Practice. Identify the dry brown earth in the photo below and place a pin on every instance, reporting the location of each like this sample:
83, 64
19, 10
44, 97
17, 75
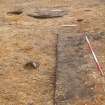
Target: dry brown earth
24, 39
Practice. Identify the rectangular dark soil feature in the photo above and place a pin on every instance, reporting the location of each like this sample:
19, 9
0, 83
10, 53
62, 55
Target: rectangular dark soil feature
76, 75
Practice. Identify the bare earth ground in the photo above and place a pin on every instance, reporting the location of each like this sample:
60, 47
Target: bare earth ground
24, 39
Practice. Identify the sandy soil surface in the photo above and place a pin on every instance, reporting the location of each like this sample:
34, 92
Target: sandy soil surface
24, 39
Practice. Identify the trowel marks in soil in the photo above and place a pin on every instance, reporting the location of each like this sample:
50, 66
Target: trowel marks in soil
75, 72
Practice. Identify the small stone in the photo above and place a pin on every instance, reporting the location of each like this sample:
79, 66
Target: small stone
31, 65
87, 10
48, 13
80, 20
15, 12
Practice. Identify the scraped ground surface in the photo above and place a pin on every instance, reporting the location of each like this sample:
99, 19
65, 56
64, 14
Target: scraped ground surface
76, 75
24, 39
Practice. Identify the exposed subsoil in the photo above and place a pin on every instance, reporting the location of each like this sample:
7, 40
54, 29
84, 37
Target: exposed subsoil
24, 39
